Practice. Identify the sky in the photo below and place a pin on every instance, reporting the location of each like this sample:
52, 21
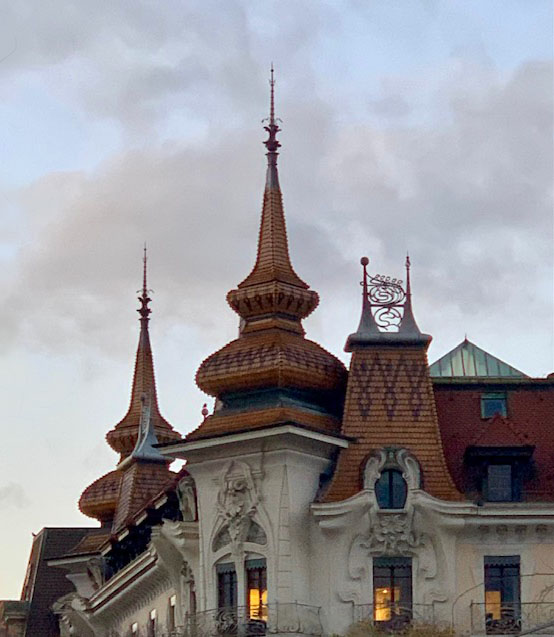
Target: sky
422, 126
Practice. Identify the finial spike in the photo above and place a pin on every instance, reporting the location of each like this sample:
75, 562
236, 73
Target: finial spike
408, 285
144, 299
271, 143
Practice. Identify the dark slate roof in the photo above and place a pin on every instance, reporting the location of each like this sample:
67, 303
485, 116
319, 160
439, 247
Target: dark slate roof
45, 584
469, 361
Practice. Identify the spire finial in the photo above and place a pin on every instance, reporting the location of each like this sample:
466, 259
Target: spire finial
144, 299
271, 143
408, 286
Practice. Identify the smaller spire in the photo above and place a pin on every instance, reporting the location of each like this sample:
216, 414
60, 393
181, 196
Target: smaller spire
271, 143
144, 299
408, 325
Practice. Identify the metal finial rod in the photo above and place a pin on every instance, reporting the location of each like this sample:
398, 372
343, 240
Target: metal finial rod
145, 260
408, 286
272, 99
365, 261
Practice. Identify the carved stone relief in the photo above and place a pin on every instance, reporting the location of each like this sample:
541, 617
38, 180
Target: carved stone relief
396, 458
187, 499
237, 502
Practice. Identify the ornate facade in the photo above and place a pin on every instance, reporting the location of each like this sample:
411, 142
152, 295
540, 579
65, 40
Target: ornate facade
314, 496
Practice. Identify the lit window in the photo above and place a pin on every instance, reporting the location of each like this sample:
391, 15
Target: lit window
493, 403
226, 586
502, 594
392, 590
499, 487
152, 623
134, 628
171, 612
256, 589
390, 490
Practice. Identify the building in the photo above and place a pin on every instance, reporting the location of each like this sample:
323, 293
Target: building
315, 496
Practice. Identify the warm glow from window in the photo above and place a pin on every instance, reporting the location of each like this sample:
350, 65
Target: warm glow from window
134, 628
257, 604
493, 604
384, 603
172, 600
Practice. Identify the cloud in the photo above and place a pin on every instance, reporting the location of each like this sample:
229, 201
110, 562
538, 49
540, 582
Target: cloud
13, 495
470, 199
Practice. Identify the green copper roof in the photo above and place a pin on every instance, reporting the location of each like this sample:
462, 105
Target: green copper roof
468, 360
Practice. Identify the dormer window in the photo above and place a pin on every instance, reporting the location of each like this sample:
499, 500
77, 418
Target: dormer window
391, 490
493, 403
499, 472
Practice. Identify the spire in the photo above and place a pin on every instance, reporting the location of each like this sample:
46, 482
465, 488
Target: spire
367, 327
273, 260
408, 325
123, 437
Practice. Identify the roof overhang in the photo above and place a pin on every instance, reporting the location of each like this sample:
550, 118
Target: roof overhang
180, 449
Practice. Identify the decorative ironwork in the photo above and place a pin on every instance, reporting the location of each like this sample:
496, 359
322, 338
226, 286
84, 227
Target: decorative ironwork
386, 297
393, 617
269, 619
511, 618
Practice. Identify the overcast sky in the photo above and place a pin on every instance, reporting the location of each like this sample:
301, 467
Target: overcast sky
423, 126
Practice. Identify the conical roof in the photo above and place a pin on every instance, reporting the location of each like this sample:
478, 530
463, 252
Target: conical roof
123, 437
469, 361
101, 499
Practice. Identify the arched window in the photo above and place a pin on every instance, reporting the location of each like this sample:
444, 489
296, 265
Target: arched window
391, 490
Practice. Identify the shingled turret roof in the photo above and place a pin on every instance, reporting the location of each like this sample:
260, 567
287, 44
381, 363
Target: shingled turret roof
100, 500
300, 380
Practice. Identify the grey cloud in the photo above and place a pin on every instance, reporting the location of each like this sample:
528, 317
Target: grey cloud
471, 200
13, 495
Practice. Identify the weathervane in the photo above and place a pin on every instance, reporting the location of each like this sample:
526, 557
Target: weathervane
386, 296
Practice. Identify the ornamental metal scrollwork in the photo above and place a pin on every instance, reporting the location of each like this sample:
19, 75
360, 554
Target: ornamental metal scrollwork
386, 296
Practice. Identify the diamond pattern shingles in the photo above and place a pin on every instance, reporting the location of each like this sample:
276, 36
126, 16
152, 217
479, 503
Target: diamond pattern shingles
390, 402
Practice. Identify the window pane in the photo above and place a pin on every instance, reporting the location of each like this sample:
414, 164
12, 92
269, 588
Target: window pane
256, 589
390, 490
392, 589
227, 588
499, 483
493, 403
502, 594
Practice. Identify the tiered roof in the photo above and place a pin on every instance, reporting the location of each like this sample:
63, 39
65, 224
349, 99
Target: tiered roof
133, 438
271, 374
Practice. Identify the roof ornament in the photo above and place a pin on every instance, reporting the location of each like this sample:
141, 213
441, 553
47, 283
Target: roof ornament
144, 449
144, 299
205, 411
271, 143
386, 310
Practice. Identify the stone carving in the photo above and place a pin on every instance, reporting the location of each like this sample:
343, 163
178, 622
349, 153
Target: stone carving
187, 499
392, 458
237, 501
95, 572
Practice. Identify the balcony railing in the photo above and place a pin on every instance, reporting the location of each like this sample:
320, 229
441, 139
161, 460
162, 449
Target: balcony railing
278, 618
394, 617
511, 619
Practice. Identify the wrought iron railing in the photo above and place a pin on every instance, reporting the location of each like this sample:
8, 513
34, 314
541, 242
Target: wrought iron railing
278, 618
393, 617
511, 619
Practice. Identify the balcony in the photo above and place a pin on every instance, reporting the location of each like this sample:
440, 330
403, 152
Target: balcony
270, 619
511, 619
393, 617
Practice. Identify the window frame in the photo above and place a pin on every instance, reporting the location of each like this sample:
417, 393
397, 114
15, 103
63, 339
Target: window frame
227, 585
401, 609
390, 489
490, 397
256, 573
508, 611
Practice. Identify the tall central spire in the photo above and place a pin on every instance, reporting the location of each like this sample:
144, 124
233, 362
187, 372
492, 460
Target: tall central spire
260, 377
273, 260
